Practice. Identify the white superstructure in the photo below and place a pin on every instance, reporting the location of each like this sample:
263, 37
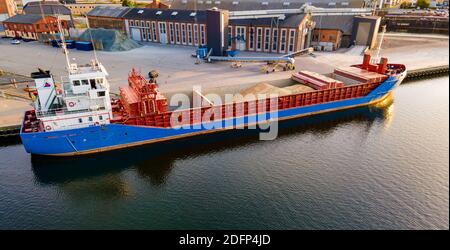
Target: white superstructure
80, 100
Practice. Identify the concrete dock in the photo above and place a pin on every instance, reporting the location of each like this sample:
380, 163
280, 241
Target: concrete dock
178, 71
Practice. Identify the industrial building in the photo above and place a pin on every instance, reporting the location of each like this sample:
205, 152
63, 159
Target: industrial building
241, 5
82, 9
185, 27
332, 32
8, 9
30, 26
166, 26
108, 17
48, 8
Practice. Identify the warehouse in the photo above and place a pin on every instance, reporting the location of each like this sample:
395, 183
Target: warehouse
108, 17
182, 27
240, 5
286, 34
332, 32
281, 35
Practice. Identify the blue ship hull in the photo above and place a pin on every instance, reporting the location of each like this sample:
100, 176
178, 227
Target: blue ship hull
114, 136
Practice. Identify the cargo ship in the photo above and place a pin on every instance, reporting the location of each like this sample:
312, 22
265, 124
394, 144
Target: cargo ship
78, 116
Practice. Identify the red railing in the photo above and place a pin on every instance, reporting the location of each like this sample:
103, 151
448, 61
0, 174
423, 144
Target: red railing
231, 110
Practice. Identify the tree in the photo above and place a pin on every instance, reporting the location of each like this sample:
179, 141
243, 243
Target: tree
423, 4
405, 5
127, 3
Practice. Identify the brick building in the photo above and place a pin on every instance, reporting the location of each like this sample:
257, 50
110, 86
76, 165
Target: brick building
181, 27
48, 8
29, 26
8, 8
158, 4
189, 28
282, 35
82, 9
332, 32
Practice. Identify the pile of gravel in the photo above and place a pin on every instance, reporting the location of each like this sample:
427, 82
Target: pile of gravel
109, 40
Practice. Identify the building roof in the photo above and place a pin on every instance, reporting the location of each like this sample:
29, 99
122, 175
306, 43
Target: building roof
236, 5
337, 22
46, 8
168, 15
108, 11
26, 19
291, 21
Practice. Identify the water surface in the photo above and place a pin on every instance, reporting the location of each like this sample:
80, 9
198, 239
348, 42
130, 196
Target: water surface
368, 168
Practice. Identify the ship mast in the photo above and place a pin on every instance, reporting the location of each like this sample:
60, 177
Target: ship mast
92, 41
63, 45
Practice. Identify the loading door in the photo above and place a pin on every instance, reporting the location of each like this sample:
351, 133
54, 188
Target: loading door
162, 33
362, 36
240, 38
135, 34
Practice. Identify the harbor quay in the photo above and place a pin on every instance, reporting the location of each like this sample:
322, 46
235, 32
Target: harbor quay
179, 73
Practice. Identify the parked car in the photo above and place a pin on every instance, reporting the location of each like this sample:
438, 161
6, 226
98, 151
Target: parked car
15, 41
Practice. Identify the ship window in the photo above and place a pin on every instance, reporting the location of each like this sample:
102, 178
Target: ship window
92, 82
101, 93
76, 83
90, 118
80, 120
100, 117
84, 82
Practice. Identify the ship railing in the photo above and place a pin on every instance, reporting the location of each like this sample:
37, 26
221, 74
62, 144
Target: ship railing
63, 111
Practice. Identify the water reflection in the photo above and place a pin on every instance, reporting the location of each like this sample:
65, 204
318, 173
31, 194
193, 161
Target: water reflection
154, 162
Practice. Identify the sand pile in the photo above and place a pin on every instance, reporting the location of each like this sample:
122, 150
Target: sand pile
109, 40
298, 88
265, 88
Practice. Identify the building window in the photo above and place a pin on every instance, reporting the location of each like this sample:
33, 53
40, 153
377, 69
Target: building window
274, 40
149, 34
195, 34
267, 40
230, 37
154, 32
177, 31
172, 33
189, 33
283, 40
251, 42
131, 23
259, 39
142, 24
291, 45
202, 34
76, 83
183, 33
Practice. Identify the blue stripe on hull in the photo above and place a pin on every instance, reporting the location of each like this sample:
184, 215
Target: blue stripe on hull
102, 138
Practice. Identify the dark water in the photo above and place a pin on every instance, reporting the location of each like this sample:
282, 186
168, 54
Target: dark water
369, 168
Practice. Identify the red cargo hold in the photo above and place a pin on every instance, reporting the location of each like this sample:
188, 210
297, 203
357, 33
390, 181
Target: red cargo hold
316, 81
